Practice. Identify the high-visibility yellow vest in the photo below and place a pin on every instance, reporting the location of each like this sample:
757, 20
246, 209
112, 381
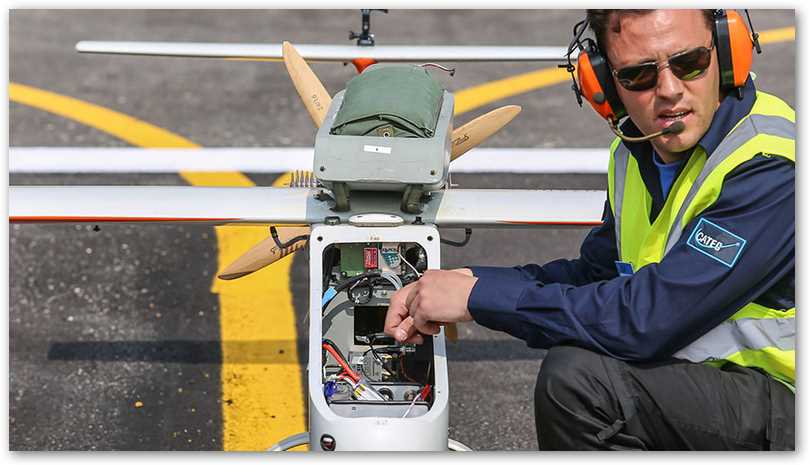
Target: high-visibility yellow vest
755, 336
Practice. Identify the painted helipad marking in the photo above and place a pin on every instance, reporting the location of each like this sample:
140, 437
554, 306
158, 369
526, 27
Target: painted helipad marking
124, 127
250, 422
771, 36
477, 96
262, 392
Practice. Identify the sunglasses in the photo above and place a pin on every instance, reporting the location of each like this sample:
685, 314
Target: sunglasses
687, 66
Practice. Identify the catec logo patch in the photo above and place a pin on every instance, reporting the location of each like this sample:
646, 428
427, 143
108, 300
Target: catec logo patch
716, 242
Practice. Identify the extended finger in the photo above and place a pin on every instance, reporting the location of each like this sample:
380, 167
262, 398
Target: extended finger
405, 330
397, 311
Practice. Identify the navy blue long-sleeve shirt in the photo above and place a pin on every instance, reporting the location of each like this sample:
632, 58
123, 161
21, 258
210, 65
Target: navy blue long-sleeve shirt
665, 306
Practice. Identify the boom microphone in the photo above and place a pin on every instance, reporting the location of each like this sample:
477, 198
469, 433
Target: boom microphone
675, 128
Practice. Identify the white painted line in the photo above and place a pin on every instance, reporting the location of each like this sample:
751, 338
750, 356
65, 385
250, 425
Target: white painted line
282, 159
533, 161
138, 160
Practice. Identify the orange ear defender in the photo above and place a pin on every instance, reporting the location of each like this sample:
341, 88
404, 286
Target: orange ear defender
734, 48
593, 79
596, 84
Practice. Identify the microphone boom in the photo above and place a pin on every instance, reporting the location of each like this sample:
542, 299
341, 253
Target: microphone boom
674, 128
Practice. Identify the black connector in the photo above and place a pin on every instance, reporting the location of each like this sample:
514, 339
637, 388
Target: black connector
467, 236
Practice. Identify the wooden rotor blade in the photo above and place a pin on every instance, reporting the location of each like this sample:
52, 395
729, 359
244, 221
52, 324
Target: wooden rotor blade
481, 128
315, 97
265, 253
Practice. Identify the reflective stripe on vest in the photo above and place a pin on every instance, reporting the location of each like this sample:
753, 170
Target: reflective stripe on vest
734, 336
621, 162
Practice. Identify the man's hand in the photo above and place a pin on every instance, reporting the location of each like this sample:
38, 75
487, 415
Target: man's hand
398, 322
421, 307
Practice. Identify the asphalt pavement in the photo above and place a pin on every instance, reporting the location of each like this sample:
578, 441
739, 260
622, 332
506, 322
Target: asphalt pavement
114, 334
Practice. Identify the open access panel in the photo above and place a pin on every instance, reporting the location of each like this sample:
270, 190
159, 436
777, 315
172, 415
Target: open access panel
366, 391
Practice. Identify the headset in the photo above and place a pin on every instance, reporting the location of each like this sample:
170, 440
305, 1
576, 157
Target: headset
734, 48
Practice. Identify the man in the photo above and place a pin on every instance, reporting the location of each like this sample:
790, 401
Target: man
674, 329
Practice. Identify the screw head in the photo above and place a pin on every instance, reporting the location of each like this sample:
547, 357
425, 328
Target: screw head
327, 443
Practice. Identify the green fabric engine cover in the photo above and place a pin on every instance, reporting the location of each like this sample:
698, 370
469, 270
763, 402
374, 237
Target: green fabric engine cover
390, 101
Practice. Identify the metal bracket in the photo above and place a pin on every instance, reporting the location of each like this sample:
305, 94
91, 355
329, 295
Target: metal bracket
411, 199
341, 202
290, 442
365, 38
457, 446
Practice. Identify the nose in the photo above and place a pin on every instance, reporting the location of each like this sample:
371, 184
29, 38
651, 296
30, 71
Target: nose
669, 87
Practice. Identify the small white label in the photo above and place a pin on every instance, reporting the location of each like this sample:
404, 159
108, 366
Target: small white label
376, 149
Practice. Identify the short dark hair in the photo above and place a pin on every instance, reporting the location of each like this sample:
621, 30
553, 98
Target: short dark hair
602, 20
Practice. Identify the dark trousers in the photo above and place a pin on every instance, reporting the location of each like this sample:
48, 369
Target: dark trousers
588, 401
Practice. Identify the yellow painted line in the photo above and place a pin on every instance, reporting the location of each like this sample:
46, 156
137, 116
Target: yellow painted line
484, 94
771, 36
213, 179
127, 128
477, 96
262, 394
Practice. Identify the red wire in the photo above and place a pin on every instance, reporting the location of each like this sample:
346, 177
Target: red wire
425, 392
351, 374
